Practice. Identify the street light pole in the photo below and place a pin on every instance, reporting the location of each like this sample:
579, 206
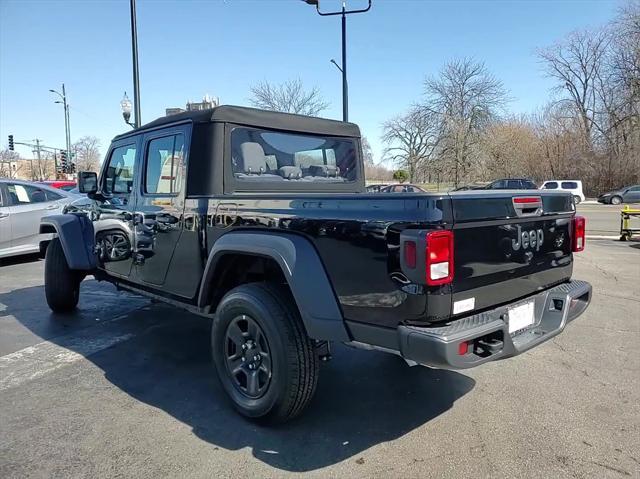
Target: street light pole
66, 121
134, 51
67, 126
345, 86
343, 12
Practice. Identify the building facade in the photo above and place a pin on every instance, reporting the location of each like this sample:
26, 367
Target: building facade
206, 103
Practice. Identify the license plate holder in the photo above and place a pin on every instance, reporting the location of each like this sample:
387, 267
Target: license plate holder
521, 316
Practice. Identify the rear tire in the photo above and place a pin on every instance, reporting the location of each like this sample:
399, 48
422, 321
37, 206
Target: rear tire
616, 200
61, 284
576, 200
260, 320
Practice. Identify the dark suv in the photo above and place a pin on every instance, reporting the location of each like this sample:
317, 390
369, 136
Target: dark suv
260, 222
512, 184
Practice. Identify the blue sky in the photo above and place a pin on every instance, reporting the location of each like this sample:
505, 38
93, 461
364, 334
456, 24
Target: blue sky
190, 48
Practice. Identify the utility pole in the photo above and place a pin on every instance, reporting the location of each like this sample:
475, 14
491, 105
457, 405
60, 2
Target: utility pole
39, 161
37, 149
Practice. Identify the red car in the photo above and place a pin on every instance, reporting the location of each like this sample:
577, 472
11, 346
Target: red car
65, 185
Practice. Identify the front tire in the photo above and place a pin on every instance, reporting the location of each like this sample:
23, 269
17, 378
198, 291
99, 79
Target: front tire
61, 284
266, 362
616, 200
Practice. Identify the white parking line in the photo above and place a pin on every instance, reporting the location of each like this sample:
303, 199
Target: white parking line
36, 361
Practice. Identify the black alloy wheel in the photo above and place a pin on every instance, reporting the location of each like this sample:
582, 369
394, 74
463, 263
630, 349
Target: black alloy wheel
247, 356
265, 361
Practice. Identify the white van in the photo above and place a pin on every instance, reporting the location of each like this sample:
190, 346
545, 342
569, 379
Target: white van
572, 186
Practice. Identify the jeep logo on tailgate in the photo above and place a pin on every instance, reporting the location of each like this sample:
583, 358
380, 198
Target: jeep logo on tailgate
528, 239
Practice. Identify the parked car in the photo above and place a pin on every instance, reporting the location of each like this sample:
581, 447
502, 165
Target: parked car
375, 188
402, 188
502, 184
512, 184
258, 224
630, 194
571, 186
22, 205
65, 185
471, 186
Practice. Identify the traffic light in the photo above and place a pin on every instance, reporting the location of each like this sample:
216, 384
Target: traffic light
11, 142
63, 161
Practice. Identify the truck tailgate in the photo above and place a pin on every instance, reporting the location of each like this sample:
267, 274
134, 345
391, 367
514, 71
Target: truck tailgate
508, 244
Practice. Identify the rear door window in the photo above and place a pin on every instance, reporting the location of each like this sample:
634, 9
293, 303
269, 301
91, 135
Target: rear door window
569, 185
25, 194
164, 165
551, 185
514, 184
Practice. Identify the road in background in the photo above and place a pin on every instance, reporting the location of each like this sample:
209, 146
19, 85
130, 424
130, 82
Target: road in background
125, 387
602, 220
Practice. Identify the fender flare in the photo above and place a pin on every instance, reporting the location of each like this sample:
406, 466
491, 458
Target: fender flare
303, 270
76, 237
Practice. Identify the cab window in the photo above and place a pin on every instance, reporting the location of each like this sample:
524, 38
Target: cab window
120, 172
292, 159
164, 165
551, 185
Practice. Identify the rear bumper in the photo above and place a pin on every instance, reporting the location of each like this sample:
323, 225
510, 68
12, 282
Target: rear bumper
487, 334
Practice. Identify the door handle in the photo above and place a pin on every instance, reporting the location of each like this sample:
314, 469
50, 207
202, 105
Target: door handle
4, 215
51, 207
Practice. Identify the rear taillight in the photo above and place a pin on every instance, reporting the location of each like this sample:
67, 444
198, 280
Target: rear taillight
439, 257
579, 224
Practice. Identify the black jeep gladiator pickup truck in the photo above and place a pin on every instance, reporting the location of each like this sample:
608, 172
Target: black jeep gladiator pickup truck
261, 221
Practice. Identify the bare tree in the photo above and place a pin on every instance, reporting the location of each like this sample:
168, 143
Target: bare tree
466, 97
87, 151
412, 139
377, 172
509, 147
367, 153
598, 78
288, 97
9, 164
576, 64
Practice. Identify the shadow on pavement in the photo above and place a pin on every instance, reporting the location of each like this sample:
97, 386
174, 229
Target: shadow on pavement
363, 398
20, 259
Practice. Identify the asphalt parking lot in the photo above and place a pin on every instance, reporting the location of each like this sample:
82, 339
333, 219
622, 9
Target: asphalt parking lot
124, 388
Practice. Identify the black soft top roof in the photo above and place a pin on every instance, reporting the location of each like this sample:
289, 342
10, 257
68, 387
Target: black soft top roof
253, 117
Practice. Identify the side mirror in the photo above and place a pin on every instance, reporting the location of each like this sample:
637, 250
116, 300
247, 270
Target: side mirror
87, 182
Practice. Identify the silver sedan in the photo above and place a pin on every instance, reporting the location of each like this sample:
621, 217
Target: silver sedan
22, 204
